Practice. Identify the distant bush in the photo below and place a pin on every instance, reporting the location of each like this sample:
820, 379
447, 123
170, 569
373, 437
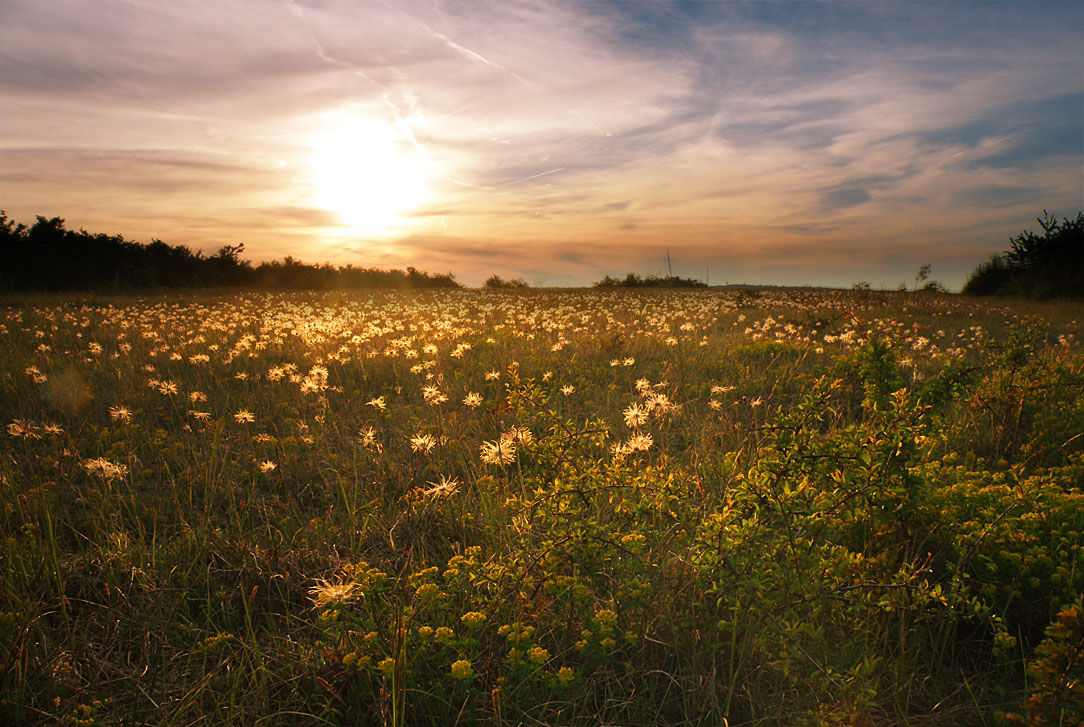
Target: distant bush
1050, 265
496, 281
632, 280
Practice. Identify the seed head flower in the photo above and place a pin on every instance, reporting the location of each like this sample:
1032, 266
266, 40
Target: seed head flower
367, 437
520, 435
500, 452
445, 488
105, 469
635, 415
23, 429
326, 593
423, 443
433, 395
120, 413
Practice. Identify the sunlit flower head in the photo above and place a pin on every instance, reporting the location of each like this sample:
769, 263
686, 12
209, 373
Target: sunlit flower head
105, 469
500, 452
329, 594
367, 436
635, 415
423, 443
445, 488
517, 435
120, 413
432, 395
23, 429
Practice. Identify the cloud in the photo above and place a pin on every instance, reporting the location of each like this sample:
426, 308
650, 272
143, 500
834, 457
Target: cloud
771, 137
845, 196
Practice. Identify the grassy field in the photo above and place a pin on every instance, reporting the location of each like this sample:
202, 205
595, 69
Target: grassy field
541, 508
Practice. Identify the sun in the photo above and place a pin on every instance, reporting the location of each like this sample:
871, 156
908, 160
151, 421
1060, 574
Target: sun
369, 173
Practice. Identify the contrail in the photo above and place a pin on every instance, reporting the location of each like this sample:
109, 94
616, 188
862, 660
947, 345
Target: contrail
533, 176
458, 48
299, 12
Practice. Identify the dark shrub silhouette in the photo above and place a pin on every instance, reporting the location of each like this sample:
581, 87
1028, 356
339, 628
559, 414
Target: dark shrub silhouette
632, 280
1044, 266
496, 281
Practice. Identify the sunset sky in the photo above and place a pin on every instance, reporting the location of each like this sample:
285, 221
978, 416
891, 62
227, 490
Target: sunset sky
763, 142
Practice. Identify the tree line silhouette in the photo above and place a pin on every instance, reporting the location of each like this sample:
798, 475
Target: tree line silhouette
47, 256
1044, 266
632, 280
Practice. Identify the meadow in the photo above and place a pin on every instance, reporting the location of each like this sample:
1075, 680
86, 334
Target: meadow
786, 507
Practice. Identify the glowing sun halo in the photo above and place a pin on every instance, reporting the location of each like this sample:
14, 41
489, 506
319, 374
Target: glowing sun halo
369, 174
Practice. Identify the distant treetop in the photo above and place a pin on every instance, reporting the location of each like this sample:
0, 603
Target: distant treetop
632, 280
